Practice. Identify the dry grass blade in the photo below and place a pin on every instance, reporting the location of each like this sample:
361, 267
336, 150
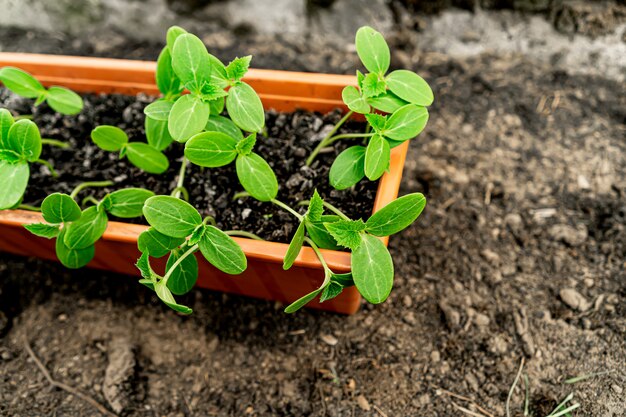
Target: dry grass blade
469, 400
508, 399
467, 411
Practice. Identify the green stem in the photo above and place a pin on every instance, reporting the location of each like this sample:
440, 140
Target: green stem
243, 234
287, 208
181, 179
90, 199
210, 220
54, 142
335, 210
322, 143
241, 194
82, 186
49, 165
316, 249
189, 251
24, 116
28, 207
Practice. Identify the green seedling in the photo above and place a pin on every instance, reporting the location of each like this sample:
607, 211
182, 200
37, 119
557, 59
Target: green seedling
144, 156
60, 99
402, 95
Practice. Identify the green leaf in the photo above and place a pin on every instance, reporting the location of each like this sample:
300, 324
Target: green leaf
64, 100
191, 63
128, 203
156, 243
410, 87
372, 50
86, 231
171, 216
359, 78
245, 108
224, 125
222, 251
9, 156
187, 117
294, 247
397, 215
159, 110
245, 146
301, 302
109, 138
320, 235
21, 82
373, 85
60, 208
238, 68
372, 269
48, 231
157, 134
14, 181
377, 157
218, 73
73, 258
316, 207
172, 34
25, 140
143, 264
166, 296
377, 121
332, 290
387, 102
210, 92
217, 106
352, 98
257, 177
184, 277
407, 122
196, 235
6, 121
147, 158
166, 79
348, 168
344, 279
346, 232
211, 149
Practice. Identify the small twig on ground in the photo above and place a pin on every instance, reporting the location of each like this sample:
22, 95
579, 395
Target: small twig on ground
467, 411
584, 377
508, 399
63, 386
379, 411
526, 396
469, 400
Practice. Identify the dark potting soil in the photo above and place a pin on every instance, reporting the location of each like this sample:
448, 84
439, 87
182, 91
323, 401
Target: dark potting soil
291, 137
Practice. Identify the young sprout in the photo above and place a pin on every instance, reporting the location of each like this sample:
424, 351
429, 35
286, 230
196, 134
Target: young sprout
60, 99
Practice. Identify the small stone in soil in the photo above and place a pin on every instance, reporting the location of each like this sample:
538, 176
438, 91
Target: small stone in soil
574, 299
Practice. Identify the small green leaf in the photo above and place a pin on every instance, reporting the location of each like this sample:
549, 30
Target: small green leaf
346, 232
166, 296
316, 207
222, 251
301, 302
171, 216
218, 73
344, 279
224, 125
294, 247
407, 122
184, 277
25, 140
143, 264
157, 134
238, 68
245, 146
196, 235
60, 208
14, 181
48, 231
352, 98
10, 156
410, 87
73, 258
156, 243
257, 177
210, 92
359, 78
372, 269
86, 231
217, 106
377, 157
6, 121
172, 34
159, 110
64, 100
387, 102
109, 138
166, 79
397, 215
377, 121
372, 50
147, 158
191, 63
373, 85
320, 235
332, 290
211, 149
187, 117
348, 168
128, 203
21, 82
245, 108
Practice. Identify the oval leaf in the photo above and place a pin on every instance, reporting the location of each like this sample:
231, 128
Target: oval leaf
187, 117
190, 61
217, 105
166, 79
348, 168
156, 243
25, 140
257, 177
73, 258
184, 277
354, 101
302, 301
147, 158
64, 100
157, 134
171, 216
158, 110
387, 102
224, 125
211, 149
60, 208
21, 82
222, 251
86, 231
377, 157
43, 230
128, 202
372, 269
372, 50
14, 181
397, 215
172, 34
245, 108
411, 87
318, 233
166, 296
294, 247
109, 138
6, 121
406, 123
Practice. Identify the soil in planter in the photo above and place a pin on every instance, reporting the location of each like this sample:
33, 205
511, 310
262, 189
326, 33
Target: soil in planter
291, 137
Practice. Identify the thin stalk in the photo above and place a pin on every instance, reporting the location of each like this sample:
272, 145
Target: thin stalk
242, 233
316, 249
49, 166
562, 404
24, 116
180, 189
322, 143
566, 411
189, 251
335, 210
526, 396
82, 186
287, 208
54, 142
348, 136
28, 207
210, 220
90, 199
241, 194
508, 398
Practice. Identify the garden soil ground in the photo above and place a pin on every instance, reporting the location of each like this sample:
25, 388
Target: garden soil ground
519, 255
